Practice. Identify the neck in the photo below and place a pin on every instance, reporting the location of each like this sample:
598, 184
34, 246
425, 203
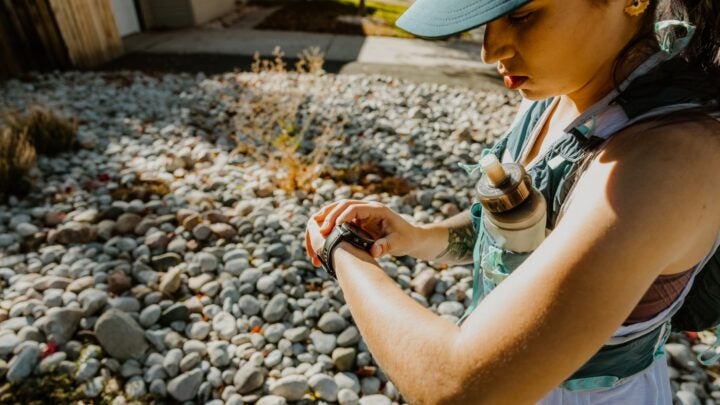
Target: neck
601, 83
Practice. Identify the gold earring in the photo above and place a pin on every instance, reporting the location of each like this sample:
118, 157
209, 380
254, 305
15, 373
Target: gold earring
637, 7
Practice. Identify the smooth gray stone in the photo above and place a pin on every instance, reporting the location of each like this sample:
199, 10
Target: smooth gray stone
375, 399
135, 388
237, 267
87, 370
349, 337
120, 335
291, 387
190, 361
332, 322
687, 398
347, 397
271, 400
8, 342
249, 305
348, 380
198, 330
324, 387
60, 324
23, 363
225, 325
51, 362
185, 386
248, 378
451, 308
369, 386
297, 334
324, 343
150, 315
276, 308
171, 363
274, 332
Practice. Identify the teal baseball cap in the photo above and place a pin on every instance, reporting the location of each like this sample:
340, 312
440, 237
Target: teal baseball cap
442, 18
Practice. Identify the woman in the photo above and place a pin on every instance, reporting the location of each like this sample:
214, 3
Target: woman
629, 226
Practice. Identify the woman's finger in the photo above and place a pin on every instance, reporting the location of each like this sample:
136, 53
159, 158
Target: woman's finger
331, 219
309, 248
320, 215
358, 212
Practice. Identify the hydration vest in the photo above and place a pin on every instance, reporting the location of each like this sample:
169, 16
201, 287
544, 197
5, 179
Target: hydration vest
662, 85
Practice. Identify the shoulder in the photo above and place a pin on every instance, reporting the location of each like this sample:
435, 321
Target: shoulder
681, 149
677, 134
658, 176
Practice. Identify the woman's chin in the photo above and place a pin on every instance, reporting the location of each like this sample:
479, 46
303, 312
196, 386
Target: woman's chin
533, 94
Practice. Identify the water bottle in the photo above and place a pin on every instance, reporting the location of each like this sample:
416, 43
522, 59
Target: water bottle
515, 213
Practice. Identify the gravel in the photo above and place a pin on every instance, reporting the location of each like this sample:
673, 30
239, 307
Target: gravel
168, 239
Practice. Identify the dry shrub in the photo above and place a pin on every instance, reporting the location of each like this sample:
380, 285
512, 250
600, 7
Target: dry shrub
358, 175
141, 189
17, 157
50, 133
310, 60
273, 125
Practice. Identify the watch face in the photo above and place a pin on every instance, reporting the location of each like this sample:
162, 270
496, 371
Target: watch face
358, 231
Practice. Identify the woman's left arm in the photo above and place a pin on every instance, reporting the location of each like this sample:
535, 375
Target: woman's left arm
639, 210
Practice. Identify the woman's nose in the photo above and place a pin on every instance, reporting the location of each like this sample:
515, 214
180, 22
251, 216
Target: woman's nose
497, 44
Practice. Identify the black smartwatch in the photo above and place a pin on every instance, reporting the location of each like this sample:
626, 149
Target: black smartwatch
347, 232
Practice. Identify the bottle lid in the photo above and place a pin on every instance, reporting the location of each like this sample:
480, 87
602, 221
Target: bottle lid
510, 192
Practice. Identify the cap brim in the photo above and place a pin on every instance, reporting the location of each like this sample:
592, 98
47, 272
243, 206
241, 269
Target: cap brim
442, 18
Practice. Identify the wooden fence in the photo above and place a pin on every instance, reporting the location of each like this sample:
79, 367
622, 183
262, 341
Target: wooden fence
52, 34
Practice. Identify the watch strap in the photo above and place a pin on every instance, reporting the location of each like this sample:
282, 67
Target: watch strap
331, 243
339, 234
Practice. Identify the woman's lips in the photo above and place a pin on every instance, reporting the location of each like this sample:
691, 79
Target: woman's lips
513, 82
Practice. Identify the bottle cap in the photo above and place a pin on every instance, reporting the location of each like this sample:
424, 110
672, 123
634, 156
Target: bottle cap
509, 193
492, 167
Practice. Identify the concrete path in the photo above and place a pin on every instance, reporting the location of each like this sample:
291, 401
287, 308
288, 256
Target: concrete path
452, 62
338, 48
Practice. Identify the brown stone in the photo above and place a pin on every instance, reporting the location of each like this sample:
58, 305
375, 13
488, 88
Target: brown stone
118, 282
126, 223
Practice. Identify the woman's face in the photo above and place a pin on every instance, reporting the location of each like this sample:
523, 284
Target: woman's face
562, 47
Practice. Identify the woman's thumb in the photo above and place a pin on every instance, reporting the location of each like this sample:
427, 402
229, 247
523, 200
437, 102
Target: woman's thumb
380, 247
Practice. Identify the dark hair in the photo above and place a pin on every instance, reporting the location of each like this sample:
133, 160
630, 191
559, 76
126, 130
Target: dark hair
704, 49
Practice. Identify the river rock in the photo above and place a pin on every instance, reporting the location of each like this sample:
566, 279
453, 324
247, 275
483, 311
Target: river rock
185, 386
120, 335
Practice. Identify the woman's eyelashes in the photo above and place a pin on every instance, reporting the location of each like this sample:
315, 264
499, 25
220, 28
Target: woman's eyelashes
520, 18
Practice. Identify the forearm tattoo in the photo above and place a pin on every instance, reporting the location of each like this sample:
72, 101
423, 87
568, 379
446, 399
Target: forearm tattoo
461, 241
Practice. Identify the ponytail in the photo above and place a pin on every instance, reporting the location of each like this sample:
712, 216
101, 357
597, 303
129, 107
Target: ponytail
704, 49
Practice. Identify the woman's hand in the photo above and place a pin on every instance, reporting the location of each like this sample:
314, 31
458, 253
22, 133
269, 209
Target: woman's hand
394, 235
314, 239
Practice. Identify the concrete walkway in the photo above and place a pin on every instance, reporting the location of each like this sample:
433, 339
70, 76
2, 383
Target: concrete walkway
338, 48
452, 62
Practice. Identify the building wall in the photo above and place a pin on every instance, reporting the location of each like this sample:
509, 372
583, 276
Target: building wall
206, 10
171, 13
125, 16
182, 13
